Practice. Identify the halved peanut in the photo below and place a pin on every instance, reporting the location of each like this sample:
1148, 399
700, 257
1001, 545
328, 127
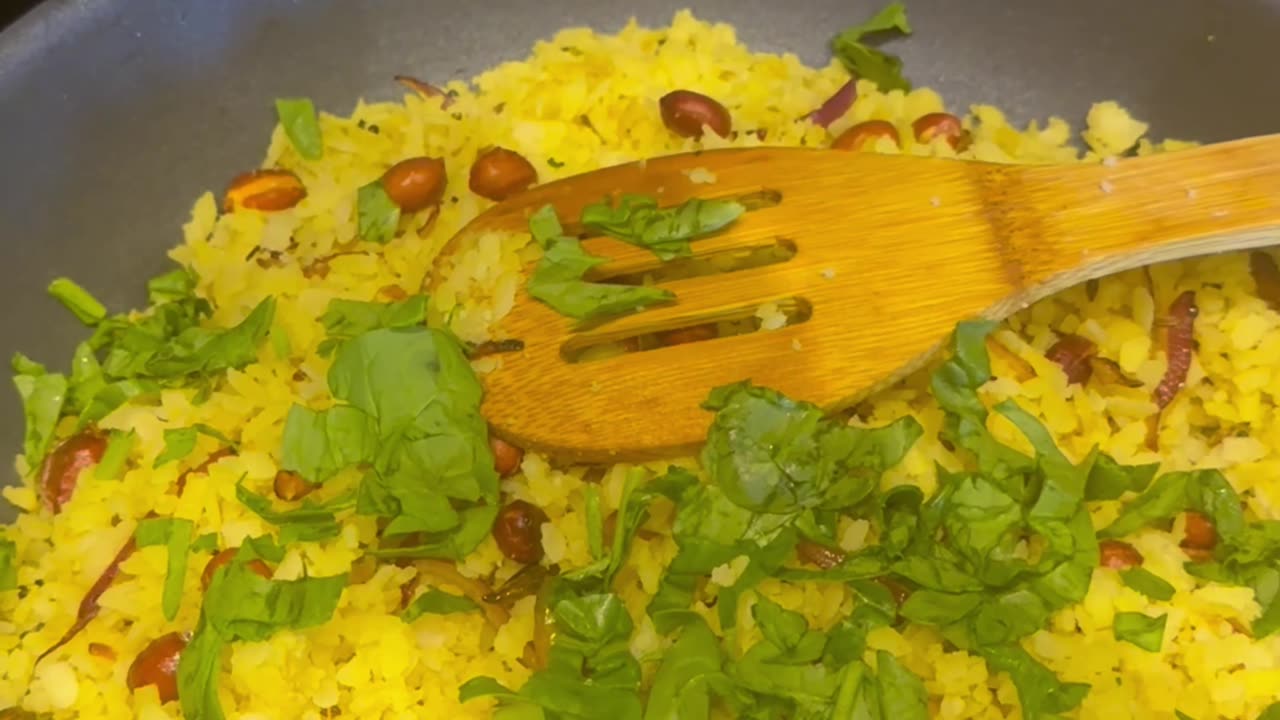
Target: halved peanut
865, 133
265, 190
934, 125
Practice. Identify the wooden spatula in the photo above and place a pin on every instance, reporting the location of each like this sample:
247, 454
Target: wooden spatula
890, 252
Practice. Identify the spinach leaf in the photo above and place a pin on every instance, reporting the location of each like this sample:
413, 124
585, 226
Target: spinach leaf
301, 125
205, 543
557, 279
175, 533
590, 672
318, 444
637, 220
311, 522
79, 301
242, 606
1040, 693
872, 63
345, 319
178, 443
933, 607
437, 602
43, 395
902, 695
847, 641
1270, 712
119, 445
377, 215
683, 684
8, 565
1142, 630
1147, 583
1109, 480
409, 413
1205, 491
771, 454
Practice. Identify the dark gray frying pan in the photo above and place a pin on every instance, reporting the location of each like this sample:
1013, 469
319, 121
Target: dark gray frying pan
115, 114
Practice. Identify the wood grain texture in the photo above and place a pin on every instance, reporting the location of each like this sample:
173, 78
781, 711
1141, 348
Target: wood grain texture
892, 252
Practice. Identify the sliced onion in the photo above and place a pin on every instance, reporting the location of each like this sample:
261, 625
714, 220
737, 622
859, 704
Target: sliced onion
836, 106
426, 90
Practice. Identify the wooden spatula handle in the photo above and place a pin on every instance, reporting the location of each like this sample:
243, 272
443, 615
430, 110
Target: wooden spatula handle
1061, 226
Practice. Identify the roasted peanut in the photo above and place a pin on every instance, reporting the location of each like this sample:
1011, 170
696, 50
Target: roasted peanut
291, 486
865, 133
1118, 555
686, 113
941, 125
62, 466
415, 184
818, 554
1200, 534
499, 173
506, 457
1073, 353
224, 557
157, 665
518, 531
265, 190
691, 334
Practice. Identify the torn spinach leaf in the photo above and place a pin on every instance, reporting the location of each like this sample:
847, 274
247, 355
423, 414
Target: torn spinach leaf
179, 442
1205, 491
682, 687
590, 672
902, 694
557, 278
311, 522
1109, 480
301, 125
79, 301
437, 602
239, 605
43, 395
377, 215
119, 445
771, 454
409, 416
175, 534
1147, 583
868, 62
1040, 693
637, 220
1141, 630
345, 319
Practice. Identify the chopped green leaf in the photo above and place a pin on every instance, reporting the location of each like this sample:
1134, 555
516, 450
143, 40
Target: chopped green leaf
437, 602
682, 686
902, 695
1040, 693
174, 286
1148, 583
667, 232
317, 444
43, 395
8, 565
590, 674
557, 279
79, 301
1109, 480
377, 214
932, 607
409, 415
771, 454
1271, 712
301, 125
1206, 491
595, 522
345, 319
872, 63
242, 606
178, 443
311, 522
119, 445
1142, 630
205, 543
176, 534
